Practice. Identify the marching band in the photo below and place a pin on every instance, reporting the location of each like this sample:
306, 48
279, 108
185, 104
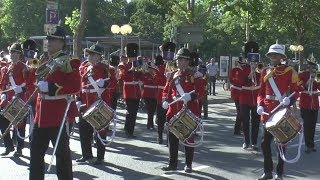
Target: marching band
50, 92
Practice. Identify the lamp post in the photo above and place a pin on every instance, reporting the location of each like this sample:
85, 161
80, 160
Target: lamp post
122, 31
295, 49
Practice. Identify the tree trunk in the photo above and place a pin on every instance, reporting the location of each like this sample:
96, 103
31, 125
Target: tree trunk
78, 35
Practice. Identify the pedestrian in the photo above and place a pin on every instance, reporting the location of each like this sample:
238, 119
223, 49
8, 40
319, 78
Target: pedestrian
212, 69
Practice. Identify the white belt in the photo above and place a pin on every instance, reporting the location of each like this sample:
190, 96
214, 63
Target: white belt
310, 92
236, 87
89, 90
250, 87
148, 86
272, 97
47, 97
131, 83
161, 87
21, 85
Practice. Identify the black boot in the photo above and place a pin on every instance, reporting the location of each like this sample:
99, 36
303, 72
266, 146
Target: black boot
7, 151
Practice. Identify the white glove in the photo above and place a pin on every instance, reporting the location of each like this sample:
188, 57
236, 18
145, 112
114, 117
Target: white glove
17, 89
78, 104
3, 97
186, 97
286, 101
43, 86
165, 105
100, 82
260, 110
198, 74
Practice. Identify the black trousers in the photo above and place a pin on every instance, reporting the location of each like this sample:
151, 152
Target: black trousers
212, 82
151, 105
39, 145
86, 135
161, 119
238, 123
310, 118
267, 156
22, 132
4, 123
245, 111
115, 97
131, 116
173, 152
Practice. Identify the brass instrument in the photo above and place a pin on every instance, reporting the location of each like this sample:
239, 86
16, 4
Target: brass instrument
253, 67
33, 63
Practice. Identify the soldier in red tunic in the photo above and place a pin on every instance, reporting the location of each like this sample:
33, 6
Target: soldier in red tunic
131, 88
102, 79
235, 91
180, 84
114, 62
309, 104
56, 89
250, 85
14, 78
286, 81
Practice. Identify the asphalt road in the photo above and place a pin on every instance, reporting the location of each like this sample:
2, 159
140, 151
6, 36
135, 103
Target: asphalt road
220, 156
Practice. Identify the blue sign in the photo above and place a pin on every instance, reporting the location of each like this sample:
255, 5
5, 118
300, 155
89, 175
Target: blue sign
253, 57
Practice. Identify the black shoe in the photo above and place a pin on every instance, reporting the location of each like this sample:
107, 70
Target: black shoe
308, 150
169, 168
245, 146
278, 177
98, 162
254, 147
265, 176
18, 153
7, 151
188, 169
314, 150
160, 140
84, 159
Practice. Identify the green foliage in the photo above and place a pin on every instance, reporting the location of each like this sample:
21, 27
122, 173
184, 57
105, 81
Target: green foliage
74, 20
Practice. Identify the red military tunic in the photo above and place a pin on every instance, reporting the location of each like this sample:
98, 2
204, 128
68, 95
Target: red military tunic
131, 87
160, 79
188, 83
98, 71
249, 92
309, 99
19, 73
150, 88
235, 84
65, 80
286, 80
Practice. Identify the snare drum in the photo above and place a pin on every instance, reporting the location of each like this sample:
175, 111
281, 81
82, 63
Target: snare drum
283, 125
184, 124
99, 115
12, 110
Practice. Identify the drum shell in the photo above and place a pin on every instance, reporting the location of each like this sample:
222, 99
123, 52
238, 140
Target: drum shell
286, 128
12, 110
183, 125
99, 115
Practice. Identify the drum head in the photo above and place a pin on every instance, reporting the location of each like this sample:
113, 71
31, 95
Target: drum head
92, 107
276, 117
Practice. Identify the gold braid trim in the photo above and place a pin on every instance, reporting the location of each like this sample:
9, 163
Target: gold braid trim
277, 72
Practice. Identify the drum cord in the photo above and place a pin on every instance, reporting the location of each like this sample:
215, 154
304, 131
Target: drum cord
109, 139
31, 125
281, 150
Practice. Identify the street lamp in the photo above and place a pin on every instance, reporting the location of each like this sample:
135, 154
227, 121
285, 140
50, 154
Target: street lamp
295, 49
123, 31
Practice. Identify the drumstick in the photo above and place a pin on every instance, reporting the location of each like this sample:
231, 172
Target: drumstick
106, 79
276, 108
179, 99
265, 113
